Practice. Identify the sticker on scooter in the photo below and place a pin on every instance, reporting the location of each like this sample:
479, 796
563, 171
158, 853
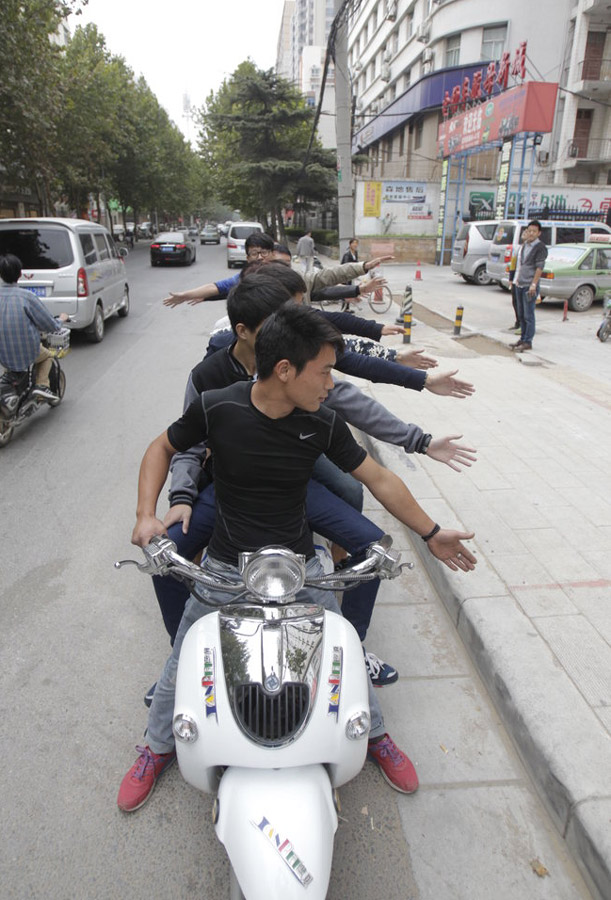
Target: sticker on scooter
335, 681
208, 683
285, 849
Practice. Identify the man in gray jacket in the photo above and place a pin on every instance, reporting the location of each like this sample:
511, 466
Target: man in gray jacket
531, 259
305, 251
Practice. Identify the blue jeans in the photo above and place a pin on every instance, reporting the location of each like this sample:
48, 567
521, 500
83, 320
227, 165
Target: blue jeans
341, 483
159, 730
327, 514
526, 313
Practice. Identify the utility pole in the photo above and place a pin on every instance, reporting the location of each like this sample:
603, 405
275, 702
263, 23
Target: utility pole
343, 118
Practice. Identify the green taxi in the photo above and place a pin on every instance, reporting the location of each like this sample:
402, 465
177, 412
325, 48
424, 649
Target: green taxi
579, 273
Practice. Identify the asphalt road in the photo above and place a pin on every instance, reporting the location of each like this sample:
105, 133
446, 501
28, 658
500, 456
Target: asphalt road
81, 642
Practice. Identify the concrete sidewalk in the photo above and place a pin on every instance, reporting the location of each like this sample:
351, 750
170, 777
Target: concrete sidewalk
536, 614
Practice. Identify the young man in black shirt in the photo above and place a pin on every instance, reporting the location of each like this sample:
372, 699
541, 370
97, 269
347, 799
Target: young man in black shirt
265, 437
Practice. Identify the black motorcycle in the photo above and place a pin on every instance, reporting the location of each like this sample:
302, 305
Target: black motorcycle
18, 400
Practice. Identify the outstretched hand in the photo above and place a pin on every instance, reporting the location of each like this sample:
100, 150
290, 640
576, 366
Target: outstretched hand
416, 359
372, 284
392, 329
174, 299
179, 513
446, 546
453, 455
446, 385
372, 263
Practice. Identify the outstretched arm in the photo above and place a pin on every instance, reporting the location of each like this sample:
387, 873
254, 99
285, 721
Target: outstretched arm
446, 385
195, 295
446, 544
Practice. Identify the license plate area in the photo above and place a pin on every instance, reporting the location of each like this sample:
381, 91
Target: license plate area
38, 289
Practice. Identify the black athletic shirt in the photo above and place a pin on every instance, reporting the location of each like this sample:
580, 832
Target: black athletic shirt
262, 467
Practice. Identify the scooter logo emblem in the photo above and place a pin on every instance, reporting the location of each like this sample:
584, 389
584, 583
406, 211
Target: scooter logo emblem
208, 683
335, 682
285, 849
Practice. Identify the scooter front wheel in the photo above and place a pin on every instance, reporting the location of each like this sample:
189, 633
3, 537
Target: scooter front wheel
235, 891
604, 331
6, 432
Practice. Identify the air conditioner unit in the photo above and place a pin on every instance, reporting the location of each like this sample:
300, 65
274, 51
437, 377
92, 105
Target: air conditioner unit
358, 66
373, 108
422, 33
358, 105
573, 151
391, 10
385, 73
387, 55
427, 55
543, 157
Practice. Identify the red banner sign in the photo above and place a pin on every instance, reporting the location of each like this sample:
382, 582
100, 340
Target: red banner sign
527, 107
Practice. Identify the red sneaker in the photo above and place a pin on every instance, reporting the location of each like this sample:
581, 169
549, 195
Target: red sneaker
394, 765
138, 784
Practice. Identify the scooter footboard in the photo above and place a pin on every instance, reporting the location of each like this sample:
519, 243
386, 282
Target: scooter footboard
277, 826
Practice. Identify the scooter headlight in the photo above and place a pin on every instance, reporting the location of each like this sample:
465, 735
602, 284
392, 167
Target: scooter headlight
357, 726
185, 729
274, 574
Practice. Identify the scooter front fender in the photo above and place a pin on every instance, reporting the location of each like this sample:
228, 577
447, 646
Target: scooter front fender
277, 826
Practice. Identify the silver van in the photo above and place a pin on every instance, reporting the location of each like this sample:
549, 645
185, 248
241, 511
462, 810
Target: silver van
73, 266
470, 253
508, 236
236, 238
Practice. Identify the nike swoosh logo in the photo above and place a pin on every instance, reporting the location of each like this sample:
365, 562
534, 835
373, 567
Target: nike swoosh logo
302, 437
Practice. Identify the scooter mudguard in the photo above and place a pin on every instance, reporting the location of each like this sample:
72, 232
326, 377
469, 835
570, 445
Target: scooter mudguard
277, 826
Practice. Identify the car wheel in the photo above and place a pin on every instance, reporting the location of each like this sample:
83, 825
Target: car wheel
95, 334
194, 258
582, 299
123, 310
481, 277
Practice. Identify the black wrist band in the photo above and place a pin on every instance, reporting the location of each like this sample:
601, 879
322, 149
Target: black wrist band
425, 440
432, 533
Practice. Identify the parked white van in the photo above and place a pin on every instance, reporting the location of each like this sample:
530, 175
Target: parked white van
509, 232
73, 266
236, 238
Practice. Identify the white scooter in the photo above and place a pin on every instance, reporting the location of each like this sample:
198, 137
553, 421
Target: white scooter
272, 714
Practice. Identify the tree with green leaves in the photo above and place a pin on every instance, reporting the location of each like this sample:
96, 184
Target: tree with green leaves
253, 137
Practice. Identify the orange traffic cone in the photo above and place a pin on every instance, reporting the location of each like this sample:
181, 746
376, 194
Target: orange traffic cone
418, 272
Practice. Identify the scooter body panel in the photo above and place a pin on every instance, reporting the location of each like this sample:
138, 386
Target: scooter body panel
277, 826
338, 691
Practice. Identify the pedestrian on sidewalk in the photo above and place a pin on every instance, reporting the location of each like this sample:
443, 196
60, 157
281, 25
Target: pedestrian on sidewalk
350, 256
531, 259
305, 251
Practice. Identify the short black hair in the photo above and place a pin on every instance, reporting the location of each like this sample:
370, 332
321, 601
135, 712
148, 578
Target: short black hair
282, 248
254, 298
537, 223
10, 268
297, 333
259, 239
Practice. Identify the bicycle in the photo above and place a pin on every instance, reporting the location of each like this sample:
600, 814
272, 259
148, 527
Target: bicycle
379, 300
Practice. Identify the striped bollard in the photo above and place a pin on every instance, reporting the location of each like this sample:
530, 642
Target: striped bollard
407, 314
458, 320
405, 305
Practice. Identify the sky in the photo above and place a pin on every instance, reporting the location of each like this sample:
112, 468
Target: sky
186, 47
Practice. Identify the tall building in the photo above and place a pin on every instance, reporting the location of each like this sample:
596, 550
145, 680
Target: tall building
405, 54
284, 65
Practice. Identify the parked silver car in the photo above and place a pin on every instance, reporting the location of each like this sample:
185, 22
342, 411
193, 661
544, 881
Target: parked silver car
73, 266
470, 252
508, 237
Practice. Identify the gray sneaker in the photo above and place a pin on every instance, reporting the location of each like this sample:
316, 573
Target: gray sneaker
43, 392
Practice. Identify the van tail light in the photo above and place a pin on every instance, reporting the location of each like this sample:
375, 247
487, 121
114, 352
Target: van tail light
466, 247
549, 275
231, 245
508, 253
82, 288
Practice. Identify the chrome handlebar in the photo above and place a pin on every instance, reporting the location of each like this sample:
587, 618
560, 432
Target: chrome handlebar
162, 559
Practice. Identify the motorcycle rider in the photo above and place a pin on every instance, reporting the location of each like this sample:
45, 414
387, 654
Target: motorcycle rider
260, 492
22, 318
